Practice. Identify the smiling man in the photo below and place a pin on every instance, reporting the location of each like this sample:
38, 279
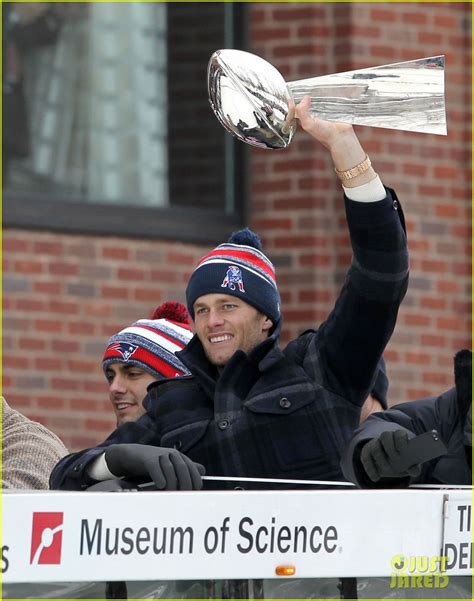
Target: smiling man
143, 353
248, 408
225, 325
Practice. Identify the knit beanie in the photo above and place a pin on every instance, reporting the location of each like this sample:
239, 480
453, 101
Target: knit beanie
237, 268
151, 344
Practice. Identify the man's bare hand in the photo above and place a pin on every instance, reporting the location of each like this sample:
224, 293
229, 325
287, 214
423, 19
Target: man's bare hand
339, 138
326, 132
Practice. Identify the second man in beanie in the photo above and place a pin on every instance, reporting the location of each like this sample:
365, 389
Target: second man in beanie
143, 353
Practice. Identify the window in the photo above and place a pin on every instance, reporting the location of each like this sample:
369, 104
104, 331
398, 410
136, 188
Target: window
107, 124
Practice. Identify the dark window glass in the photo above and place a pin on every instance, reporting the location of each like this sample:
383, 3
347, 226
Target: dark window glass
105, 105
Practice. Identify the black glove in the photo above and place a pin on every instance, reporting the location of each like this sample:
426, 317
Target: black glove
169, 469
379, 457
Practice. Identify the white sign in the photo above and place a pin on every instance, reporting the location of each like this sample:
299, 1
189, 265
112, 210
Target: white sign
64, 536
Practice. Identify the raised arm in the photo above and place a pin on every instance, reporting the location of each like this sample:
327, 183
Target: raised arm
352, 339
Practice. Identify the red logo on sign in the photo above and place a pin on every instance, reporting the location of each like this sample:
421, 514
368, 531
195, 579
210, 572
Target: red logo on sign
46, 537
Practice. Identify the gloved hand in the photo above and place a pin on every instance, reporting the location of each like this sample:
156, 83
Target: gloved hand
169, 469
379, 457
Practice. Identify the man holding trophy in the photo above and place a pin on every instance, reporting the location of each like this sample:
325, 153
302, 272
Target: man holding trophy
249, 409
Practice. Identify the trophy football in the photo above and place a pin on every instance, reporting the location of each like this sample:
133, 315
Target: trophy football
251, 99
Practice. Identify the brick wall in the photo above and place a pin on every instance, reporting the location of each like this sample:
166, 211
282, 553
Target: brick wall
64, 295
296, 198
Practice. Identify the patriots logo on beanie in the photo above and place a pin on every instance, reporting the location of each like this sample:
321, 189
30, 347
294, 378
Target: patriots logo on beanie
233, 277
238, 268
124, 348
151, 344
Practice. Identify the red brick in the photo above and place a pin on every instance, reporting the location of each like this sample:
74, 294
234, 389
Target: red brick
437, 378
44, 247
430, 37
65, 383
96, 424
269, 223
175, 258
53, 288
57, 306
385, 52
306, 242
417, 320
415, 169
276, 33
15, 362
50, 402
115, 252
83, 365
429, 302
418, 18
314, 296
275, 185
445, 21
462, 268
28, 266
65, 346
418, 358
452, 323
31, 344
96, 386
115, 292
60, 268
131, 274
48, 364
81, 328
387, 16
165, 276
97, 309
430, 340
14, 245
31, 304
315, 260
448, 286
300, 315
434, 266
49, 325
312, 31
147, 295
446, 211
304, 12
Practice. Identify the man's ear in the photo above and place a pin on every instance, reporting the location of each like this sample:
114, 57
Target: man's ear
267, 324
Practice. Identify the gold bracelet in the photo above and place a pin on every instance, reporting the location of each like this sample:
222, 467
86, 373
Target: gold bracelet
355, 171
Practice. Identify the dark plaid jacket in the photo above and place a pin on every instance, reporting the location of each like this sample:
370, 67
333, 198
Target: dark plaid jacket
290, 413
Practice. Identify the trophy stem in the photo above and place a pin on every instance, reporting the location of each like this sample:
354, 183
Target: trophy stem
408, 96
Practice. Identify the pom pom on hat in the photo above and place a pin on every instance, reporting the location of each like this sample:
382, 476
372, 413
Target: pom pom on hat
151, 344
247, 238
173, 311
237, 268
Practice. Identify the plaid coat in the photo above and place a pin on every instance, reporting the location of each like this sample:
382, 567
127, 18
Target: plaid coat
284, 413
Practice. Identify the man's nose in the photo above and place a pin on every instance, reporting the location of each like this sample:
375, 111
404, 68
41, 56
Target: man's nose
215, 318
117, 385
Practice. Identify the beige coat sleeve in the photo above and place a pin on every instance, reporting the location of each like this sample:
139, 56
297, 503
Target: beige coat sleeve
29, 451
